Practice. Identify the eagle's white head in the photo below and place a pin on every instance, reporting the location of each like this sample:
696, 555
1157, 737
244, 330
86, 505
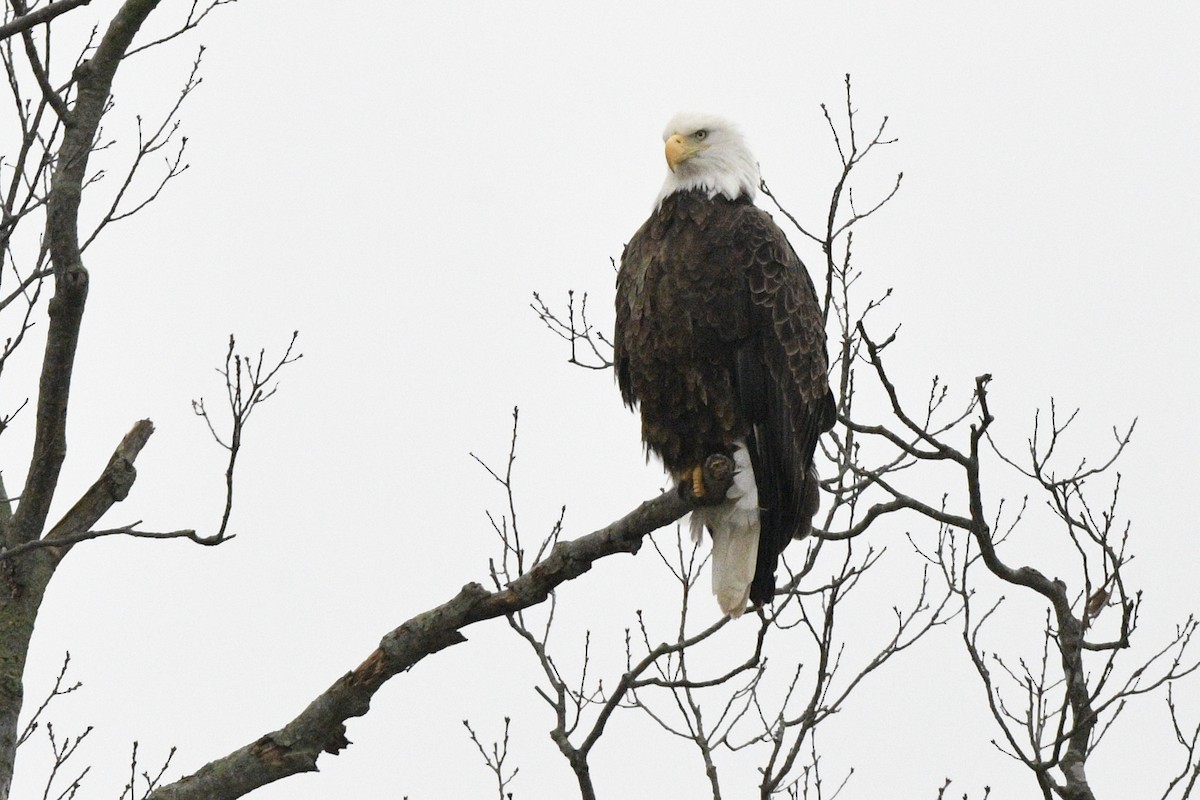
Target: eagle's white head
708, 153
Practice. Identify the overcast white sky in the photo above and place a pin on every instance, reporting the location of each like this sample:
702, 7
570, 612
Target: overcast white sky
395, 179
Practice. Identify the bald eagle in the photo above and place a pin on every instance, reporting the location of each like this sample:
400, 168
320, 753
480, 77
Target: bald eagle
720, 342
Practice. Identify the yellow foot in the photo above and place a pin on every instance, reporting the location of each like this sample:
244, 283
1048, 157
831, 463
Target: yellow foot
698, 482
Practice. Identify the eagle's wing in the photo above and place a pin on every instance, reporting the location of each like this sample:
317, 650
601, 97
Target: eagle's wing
782, 387
630, 281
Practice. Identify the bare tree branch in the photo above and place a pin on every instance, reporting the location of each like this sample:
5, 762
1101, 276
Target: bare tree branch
193, 19
152, 781
27, 20
157, 139
574, 331
321, 727
495, 760
249, 382
58, 690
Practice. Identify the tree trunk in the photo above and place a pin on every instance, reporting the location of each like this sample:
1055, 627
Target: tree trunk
22, 586
24, 578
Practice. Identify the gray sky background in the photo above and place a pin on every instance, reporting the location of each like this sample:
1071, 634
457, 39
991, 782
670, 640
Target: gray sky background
394, 181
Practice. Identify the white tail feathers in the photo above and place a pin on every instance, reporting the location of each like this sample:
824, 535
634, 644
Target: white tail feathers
734, 527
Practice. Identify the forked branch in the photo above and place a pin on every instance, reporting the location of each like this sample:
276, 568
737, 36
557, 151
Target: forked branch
249, 382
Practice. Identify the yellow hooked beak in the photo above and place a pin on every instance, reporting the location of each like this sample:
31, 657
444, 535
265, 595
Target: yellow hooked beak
680, 149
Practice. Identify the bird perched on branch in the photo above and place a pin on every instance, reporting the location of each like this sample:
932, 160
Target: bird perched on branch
720, 341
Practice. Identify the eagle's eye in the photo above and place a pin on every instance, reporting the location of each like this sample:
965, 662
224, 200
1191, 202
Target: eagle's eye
700, 134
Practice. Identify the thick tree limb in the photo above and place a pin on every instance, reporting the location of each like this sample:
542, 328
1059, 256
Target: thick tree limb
111, 487
321, 727
27, 20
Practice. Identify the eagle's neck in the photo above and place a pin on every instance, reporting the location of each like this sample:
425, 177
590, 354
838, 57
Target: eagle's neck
668, 205
731, 175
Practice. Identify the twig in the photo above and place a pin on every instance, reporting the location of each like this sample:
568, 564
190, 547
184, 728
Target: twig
248, 384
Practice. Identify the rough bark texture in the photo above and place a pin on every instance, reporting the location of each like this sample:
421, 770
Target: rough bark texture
23, 580
321, 728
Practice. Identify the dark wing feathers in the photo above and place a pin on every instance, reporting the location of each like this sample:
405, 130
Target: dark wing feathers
720, 336
792, 384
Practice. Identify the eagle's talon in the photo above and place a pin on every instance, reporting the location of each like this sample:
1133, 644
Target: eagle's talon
707, 485
719, 469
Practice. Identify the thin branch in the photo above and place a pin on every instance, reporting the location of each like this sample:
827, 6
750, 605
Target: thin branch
248, 384
193, 19
58, 690
495, 759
